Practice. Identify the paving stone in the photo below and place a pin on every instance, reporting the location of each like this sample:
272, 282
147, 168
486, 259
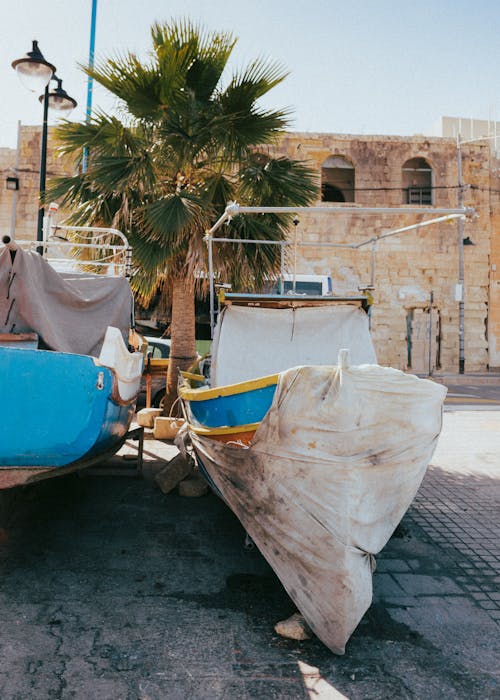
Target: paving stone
110, 589
488, 604
418, 584
392, 565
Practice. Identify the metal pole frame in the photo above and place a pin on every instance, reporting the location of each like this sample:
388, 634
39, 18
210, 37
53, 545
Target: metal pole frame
43, 170
460, 245
234, 209
211, 278
90, 80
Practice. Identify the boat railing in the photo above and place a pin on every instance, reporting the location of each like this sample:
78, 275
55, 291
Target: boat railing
83, 249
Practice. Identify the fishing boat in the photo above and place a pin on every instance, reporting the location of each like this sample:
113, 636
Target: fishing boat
317, 449
284, 331
67, 378
320, 459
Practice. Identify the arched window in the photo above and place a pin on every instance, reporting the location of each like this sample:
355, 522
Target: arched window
417, 182
337, 180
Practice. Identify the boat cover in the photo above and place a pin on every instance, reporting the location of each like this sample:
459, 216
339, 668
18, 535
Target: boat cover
331, 471
245, 348
70, 311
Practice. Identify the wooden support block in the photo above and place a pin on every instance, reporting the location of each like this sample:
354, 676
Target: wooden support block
173, 473
193, 487
146, 416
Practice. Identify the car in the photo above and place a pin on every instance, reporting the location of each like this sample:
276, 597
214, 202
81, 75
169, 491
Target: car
158, 348
158, 351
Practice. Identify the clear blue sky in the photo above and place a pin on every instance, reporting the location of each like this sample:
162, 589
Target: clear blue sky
359, 67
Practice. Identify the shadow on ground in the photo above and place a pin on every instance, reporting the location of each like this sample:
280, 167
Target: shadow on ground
112, 590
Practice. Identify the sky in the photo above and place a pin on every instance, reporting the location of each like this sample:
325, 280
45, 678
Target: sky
355, 66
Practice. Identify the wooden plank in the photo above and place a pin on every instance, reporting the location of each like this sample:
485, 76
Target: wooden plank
18, 337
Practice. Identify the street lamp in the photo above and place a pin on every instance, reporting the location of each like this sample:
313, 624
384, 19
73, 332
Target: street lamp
36, 74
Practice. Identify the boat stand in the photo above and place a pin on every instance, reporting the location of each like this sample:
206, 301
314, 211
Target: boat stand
111, 467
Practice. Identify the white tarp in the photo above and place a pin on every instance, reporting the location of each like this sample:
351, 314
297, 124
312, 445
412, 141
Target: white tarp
69, 311
331, 471
252, 343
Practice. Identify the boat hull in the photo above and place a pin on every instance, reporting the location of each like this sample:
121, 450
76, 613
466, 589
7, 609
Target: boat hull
61, 411
329, 474
240, 406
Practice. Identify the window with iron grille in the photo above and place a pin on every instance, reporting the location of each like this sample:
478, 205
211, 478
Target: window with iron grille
419, 195
417, 180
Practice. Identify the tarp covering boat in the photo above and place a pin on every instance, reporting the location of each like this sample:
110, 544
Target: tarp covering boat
331, 471
70, 311
68, 379
251, 342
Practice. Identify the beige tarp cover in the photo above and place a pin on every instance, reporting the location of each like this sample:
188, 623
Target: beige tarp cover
69, 311
331, 471
253, 342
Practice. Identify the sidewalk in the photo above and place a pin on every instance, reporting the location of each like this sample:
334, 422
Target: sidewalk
471, 378
111, 589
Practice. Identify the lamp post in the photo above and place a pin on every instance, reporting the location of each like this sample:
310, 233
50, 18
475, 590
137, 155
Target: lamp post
36, 74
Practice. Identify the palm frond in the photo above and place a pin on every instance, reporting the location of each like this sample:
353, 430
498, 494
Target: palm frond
170, 222
258, 78
182, 147
277, 182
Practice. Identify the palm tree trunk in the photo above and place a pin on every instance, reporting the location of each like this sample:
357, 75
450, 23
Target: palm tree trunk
182, 334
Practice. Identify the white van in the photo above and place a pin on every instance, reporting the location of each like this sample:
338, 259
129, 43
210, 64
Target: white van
302, 285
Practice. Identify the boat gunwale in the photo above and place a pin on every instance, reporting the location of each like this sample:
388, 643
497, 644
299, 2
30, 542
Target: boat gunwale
287, 301
224, 430
203, 394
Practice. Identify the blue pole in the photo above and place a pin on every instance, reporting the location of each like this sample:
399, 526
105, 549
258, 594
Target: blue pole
90, 81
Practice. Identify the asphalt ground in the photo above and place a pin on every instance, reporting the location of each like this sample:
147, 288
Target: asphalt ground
112, 590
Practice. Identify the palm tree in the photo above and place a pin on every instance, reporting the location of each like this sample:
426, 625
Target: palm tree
186, 142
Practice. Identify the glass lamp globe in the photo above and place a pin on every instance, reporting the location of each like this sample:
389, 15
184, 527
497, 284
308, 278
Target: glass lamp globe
33, 70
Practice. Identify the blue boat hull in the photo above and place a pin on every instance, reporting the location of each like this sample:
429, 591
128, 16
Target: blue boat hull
58, 411
228, 408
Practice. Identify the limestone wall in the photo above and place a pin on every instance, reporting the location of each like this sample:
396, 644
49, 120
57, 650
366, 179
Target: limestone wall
7, 163
407, 268
494, 288
410, 266
29, 180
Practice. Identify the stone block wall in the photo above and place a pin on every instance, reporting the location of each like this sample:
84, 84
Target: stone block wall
29, 180
410, 266
7, 197
494, 268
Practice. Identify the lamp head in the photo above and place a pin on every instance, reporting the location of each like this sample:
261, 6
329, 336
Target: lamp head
59, 99
33, 70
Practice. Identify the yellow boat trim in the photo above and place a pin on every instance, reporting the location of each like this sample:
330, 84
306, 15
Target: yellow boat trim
225, 430
203, 394
157, 363
192, 376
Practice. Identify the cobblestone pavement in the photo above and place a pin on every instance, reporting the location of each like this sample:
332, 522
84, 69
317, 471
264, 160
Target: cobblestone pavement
112, 590
461, 516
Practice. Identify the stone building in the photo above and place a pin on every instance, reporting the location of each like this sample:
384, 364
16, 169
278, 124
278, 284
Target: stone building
24, 201
389, 171
375, 171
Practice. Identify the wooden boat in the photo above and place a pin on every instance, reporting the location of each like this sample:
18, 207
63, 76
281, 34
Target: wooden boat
231, 413
67, 378
322, 481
